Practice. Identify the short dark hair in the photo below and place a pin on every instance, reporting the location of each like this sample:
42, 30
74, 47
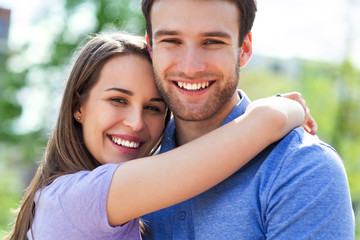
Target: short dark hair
247, 10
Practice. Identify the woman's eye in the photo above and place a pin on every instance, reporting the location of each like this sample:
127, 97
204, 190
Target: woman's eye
118, 100
153, 109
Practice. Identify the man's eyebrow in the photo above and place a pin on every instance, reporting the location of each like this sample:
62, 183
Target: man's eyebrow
165, 32
121, 90
217, 34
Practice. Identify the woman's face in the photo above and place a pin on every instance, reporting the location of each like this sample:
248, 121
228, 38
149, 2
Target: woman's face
124, 114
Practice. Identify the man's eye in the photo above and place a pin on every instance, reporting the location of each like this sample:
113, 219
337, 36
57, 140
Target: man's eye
213, 42
171, 40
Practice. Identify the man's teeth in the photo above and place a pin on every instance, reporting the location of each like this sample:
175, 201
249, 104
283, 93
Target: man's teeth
125, 143
193, 86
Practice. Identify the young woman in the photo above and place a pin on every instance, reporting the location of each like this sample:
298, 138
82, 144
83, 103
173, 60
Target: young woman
86, 187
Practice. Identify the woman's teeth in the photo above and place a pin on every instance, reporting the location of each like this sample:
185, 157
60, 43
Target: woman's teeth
193, 86
125, 143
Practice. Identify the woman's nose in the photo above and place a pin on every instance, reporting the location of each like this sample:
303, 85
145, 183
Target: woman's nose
134, 119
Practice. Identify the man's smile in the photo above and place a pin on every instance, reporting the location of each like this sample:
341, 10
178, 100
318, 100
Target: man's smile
194, 86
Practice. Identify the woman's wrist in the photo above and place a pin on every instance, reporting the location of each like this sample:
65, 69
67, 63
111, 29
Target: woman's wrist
278, 116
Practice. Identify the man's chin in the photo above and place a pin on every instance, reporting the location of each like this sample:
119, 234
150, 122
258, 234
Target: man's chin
193, 115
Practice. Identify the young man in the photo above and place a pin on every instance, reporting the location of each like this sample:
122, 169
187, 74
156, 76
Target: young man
295, 189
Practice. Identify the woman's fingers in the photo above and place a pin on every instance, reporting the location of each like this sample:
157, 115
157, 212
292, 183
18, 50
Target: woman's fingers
309, 124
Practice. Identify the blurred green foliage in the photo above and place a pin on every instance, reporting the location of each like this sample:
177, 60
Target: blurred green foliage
332, 92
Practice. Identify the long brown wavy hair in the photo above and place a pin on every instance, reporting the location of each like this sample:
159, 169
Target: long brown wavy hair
66, 151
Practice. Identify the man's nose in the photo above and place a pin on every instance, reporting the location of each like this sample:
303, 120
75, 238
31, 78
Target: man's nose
191, 61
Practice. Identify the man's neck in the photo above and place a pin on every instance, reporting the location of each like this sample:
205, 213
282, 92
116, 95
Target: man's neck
187, 131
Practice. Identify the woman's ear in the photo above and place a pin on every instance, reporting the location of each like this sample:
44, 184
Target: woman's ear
78, 116
78, 109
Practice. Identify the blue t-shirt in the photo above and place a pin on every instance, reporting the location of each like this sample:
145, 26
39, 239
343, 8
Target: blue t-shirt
74, 207
295, 189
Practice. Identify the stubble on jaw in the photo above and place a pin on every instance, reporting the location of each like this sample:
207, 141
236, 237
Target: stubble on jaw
198, 113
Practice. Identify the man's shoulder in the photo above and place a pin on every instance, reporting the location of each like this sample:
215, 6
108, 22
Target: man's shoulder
303, 185
299, 144
302, 156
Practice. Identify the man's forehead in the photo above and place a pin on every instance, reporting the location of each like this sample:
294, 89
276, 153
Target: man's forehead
160, 3
207, 14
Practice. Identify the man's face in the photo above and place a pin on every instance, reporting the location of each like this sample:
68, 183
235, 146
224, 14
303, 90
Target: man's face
196, 55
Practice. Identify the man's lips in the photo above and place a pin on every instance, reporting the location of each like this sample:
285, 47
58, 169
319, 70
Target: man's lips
193, 86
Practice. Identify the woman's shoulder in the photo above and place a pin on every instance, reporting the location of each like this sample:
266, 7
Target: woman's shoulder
78, 202
78, 183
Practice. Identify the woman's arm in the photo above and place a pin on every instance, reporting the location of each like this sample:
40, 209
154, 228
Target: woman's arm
148, 184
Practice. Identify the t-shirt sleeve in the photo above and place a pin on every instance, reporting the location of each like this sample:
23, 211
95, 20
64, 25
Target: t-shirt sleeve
310, 197
82, 197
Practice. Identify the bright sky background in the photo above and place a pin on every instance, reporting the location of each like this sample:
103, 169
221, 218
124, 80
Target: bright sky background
283, 28
324, 30
315, 29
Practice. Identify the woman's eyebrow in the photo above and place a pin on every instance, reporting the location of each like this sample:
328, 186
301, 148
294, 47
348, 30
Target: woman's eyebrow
130, 93
157, 100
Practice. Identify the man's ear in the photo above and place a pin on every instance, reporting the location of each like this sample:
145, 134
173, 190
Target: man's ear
149, 46
246, 50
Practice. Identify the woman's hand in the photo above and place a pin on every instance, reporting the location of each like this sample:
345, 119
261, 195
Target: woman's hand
309, 123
